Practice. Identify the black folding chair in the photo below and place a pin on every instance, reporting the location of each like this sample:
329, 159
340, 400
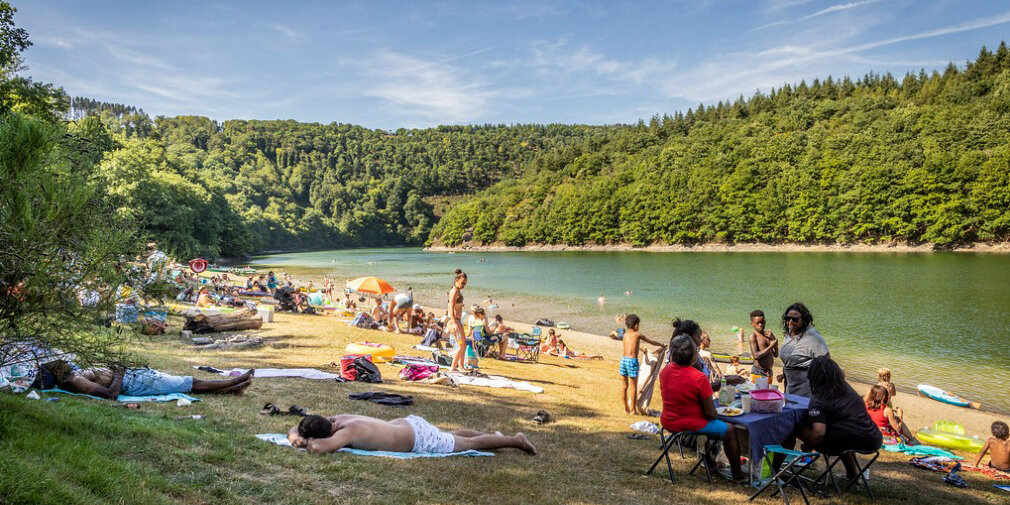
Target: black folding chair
527, 347
680, 439
791, 473
829, 474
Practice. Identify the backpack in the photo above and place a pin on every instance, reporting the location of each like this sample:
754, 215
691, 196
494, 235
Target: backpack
366, 371
441, 359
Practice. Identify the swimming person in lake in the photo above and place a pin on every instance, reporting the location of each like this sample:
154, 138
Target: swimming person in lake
763, 347
454, 325
629, 363
803, 343
998, 448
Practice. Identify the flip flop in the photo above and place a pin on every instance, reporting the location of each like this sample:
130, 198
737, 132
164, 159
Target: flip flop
639, 436
270, 410
296, 410
542, 417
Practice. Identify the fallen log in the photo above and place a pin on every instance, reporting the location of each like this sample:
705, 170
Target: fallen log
245, 319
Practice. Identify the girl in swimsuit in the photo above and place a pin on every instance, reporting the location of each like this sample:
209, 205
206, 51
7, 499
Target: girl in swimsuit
454, 327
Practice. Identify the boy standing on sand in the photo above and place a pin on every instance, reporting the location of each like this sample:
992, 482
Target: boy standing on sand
998, 447
629, 363
763, 347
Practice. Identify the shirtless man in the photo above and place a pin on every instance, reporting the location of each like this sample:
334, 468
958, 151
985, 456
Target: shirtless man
409, 434
629, 363
110, 383
998, 447
763, 347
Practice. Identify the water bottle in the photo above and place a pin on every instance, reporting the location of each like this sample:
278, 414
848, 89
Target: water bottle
725, 396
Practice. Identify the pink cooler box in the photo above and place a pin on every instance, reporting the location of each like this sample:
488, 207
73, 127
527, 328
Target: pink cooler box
767, 401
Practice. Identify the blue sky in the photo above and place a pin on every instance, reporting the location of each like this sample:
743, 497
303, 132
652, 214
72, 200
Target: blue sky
417, 64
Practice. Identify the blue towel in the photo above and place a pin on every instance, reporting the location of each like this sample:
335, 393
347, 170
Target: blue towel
133, 399
1004, 488
920, 450
282, 440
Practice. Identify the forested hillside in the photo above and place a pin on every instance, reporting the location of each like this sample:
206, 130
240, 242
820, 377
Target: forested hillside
202, 187
921, 159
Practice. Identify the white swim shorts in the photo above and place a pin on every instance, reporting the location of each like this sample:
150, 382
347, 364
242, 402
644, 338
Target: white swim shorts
428, 438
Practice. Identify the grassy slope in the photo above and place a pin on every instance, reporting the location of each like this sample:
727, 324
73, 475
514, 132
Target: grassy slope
85, 451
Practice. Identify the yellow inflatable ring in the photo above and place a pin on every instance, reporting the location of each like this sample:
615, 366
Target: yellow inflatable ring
381, 353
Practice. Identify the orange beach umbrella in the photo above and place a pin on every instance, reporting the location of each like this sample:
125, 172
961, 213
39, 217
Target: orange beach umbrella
372, 285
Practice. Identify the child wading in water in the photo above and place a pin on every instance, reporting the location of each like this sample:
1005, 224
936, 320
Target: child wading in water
629, 363
998, 447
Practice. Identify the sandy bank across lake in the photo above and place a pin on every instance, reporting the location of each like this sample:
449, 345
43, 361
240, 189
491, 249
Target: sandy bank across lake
998, 248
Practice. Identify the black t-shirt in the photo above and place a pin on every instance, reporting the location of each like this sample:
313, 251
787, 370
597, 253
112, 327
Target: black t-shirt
847, 421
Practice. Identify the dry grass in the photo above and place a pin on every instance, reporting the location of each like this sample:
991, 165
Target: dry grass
585, 457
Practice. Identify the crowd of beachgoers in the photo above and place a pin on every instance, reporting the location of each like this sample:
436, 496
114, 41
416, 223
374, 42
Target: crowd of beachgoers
698, 388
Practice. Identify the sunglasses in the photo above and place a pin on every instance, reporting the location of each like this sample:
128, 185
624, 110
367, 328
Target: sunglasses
793, 319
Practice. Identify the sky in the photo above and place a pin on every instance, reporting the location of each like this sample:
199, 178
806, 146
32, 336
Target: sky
393, 64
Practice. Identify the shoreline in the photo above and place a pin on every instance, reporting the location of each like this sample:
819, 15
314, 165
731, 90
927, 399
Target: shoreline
995, 248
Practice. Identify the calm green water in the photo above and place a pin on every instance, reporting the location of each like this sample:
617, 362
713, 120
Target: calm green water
938, 318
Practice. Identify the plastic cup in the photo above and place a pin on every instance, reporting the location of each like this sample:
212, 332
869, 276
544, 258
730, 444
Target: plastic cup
745, 401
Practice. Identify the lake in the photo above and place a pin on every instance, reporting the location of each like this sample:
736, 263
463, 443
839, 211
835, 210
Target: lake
937, 318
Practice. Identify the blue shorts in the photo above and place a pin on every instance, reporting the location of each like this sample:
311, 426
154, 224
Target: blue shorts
147, 382
629, 367
714, 428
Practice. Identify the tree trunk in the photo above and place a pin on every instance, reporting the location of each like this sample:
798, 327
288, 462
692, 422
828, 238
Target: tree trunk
244, 319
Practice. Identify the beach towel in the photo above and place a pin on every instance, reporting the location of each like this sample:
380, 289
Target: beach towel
989, 471
281, 439
920, 450
493, 381
648, 372
133, 399
935, 463
264, 373
1003, 488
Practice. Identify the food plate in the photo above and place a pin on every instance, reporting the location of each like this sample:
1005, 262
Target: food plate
729, 411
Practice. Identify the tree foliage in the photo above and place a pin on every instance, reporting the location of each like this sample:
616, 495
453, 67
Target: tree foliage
924, 159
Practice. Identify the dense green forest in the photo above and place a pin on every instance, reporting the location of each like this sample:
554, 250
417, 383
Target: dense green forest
202, 187
923, 159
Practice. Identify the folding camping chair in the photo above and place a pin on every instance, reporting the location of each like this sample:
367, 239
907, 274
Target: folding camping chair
680, 439
527, 347
829, 474
486, 345
791, 473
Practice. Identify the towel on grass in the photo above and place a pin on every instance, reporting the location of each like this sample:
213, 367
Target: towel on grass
391, 399
133, 399
282, 440
920, 450
493, 381
263, 373
1004, 488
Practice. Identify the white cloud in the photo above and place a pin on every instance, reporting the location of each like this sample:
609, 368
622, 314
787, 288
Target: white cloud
433, 89
826, 10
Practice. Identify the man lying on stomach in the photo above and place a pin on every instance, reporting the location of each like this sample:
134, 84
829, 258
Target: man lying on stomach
410, 434
110, 383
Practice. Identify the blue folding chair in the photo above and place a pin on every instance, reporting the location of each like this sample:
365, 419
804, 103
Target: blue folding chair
791, 473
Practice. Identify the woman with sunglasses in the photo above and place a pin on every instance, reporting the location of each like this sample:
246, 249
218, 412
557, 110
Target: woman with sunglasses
802, 344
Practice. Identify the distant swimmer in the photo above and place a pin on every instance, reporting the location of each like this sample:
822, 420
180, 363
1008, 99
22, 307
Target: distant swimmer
629, 293
602, 300
482, 260
371, 262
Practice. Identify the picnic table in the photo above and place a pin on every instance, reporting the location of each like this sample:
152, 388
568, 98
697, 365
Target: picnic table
770, 429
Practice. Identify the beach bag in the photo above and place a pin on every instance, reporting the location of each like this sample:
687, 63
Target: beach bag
417, 371
441, 359
366, 371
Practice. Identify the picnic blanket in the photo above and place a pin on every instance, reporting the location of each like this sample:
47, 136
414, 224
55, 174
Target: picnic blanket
133, 399
920, 450
493, 381
264, 373
281, 439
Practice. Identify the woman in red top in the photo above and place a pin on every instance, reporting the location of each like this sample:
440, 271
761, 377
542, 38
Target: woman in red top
687, 401
883, 416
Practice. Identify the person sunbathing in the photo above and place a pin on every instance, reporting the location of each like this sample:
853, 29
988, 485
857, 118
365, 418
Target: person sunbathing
877, 402
565, 352
110, 383
410, 434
